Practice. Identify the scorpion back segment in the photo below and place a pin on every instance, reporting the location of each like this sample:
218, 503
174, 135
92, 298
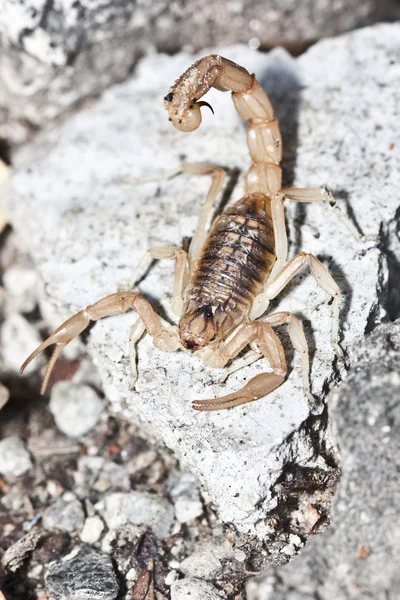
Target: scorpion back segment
239, 267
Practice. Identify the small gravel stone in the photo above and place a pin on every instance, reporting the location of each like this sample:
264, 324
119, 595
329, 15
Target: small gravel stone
84, 574
76, 408
195, 589
205, 561
112, 476
92, 530
184, 493
14, 459
139, 508
65, 515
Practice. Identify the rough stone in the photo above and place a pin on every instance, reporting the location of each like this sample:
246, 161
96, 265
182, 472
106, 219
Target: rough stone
357, 557
138, 508
195, 589
53, 55
14, 458
76, 408
88, 243
184, 493
15, 555
66, 514
84, 574
206, 559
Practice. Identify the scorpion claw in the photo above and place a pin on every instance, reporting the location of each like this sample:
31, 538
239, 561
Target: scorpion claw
60, 337
259, 386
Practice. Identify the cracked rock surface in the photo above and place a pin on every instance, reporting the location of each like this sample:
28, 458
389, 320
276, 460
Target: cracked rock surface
88, 231
358, 556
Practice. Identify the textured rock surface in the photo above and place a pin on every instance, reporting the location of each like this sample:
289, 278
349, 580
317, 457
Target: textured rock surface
89, 240
358, 556
53, 54
85, 574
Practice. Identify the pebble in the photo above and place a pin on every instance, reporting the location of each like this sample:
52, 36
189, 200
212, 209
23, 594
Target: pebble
205, 561
14, 458
76, 408
195, 589
84, 574
184, 493
92, 530
66, 514
139, 508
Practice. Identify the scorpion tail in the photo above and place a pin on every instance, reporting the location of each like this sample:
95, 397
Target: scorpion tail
258, 387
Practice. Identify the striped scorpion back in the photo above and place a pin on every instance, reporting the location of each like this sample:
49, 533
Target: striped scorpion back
236, 259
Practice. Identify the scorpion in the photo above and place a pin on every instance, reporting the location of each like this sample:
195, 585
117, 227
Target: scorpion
225, 281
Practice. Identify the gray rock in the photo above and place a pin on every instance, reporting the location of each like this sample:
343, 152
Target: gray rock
184, 493
66, 514
195, 589
357, 557
76, 408
54, 55
89, 242
84, 574
98, 473
138, 508
14, 459
205, 561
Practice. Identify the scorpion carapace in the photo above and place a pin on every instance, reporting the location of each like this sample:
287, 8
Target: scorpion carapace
223, 285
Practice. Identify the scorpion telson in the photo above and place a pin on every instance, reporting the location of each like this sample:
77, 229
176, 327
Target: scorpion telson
223, 285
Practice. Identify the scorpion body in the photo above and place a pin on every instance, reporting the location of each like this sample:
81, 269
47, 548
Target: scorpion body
236, 260
223, 285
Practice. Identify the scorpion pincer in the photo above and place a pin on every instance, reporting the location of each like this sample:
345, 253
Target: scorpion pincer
223, 285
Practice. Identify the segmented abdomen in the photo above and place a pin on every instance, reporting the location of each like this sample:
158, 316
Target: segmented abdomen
237, 256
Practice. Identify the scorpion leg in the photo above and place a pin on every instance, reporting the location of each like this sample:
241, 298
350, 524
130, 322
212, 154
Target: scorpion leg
114, 304
218, 177
325, 196
261, 385
181, 272
298, 339
322, 277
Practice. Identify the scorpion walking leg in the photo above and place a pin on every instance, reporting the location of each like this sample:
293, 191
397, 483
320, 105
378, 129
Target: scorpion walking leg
181, 272
322, 277
325, 196
298, 339
262, 384
260, 304
113, 304
218, 177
